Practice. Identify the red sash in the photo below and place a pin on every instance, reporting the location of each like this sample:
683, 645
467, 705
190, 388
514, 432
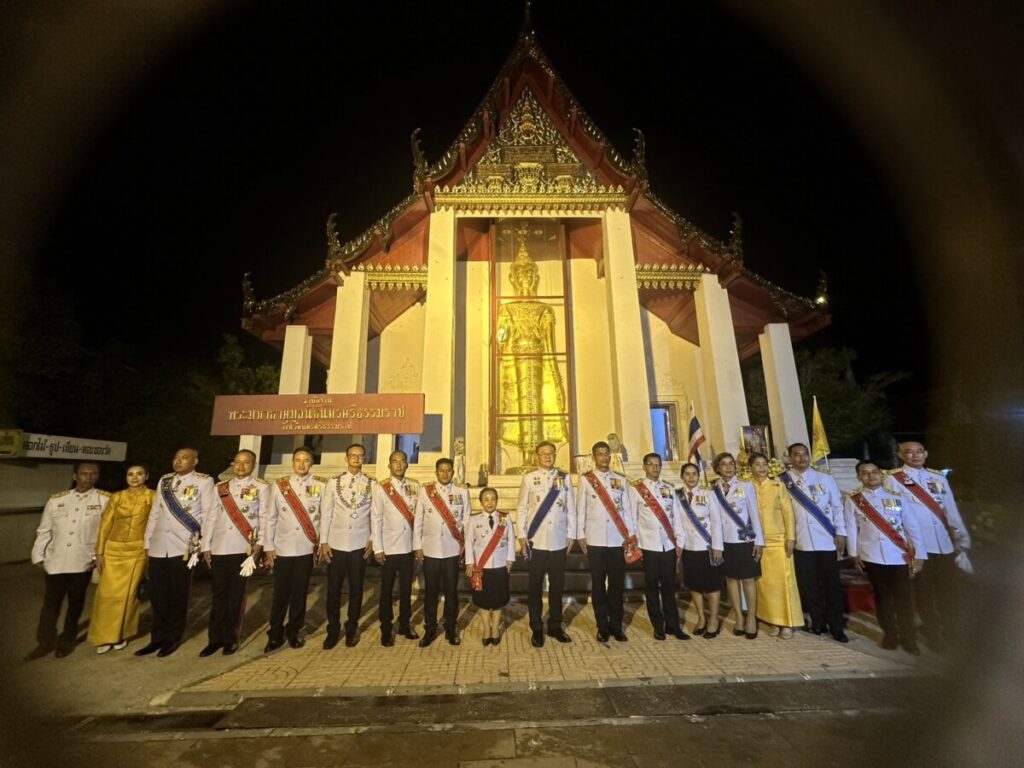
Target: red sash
396, 498
883, 525
224, 491
655, 507
477, 580
632, 552
297, 509
922, 495
442, 509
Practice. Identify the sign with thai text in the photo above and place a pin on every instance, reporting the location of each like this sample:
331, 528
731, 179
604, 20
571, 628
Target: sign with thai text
359, 414
66, 448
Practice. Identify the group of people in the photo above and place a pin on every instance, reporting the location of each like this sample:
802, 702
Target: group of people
774, 542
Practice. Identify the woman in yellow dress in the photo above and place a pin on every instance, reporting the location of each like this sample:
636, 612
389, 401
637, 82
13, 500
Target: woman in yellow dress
778, 600
121, 562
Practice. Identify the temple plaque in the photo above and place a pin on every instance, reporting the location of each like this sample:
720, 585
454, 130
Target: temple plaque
320, 414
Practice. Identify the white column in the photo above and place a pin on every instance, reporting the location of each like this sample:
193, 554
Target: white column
725, 404
783, 387
385, 445
630, 389
295, 360
439, 328
347, 374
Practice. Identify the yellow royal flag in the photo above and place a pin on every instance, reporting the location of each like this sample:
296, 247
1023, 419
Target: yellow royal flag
819, 440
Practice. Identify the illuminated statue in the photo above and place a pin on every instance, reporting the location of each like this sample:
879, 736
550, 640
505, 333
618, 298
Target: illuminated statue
532, 398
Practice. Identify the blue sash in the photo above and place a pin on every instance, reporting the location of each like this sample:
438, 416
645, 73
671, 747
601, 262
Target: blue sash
171, 501
808, 504
745, 530
704, 533
545, 507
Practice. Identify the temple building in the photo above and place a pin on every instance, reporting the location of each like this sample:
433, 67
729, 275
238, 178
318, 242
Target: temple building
533, 287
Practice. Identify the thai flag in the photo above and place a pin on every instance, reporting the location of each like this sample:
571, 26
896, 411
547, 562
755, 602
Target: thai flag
696, 437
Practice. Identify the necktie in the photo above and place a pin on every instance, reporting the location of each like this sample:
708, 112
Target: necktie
725, 489
689, 496
490, 521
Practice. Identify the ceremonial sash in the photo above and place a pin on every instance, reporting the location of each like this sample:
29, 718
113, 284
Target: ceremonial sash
477, 580
175, 508
883, 525
704, 533
545, 506
655, 507
234, 513
745, 530
298, 510
632, 552
442, 509
396, 498
807, 503
922, 495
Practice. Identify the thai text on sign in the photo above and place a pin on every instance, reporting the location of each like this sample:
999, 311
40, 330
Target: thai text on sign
356, 414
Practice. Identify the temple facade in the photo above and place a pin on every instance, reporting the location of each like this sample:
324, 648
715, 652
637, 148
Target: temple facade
533, 286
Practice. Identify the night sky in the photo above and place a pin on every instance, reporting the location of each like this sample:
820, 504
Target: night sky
230, 151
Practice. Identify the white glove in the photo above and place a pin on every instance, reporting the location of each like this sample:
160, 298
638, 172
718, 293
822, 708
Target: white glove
193, 560
963, 562
248, 567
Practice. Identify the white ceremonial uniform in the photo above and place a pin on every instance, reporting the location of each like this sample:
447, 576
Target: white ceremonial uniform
709, 514
389, 529
66, 537
934, 535
282, 534
742, 497
345, 512
870, 544
593, 522
197, 496
431, 533
220, 535
649, 530
554, 532
811, 535
478, 533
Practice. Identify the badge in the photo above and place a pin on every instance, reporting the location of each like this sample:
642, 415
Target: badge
740, 493
666, 493
616, 485
94, 506
364, 489
313, 490
250, 493
934, 487
190, 492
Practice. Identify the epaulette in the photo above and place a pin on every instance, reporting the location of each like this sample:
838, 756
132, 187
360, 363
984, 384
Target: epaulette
476, 512
463, 485
321, 478
59, 494
823, 470
261, 480
169, 474
101, 492
934, 472
201, 474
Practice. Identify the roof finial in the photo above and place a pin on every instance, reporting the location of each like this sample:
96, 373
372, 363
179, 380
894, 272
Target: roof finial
527, 26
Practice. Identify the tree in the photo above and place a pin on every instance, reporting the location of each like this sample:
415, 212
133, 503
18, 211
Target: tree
852, 410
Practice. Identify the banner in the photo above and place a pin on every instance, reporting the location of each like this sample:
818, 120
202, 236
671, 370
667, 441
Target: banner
319, 414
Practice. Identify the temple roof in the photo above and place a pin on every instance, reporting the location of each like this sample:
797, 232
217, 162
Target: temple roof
580, 163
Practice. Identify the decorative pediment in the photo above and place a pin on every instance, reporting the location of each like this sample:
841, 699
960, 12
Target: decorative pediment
529, 165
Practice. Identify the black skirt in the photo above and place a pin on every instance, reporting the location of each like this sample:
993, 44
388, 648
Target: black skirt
494, 595
699, 575
739, 561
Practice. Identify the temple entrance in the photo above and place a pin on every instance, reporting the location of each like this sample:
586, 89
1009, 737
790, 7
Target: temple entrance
663, 421
531, 376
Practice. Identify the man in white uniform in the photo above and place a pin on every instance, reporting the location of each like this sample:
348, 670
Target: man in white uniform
392, 519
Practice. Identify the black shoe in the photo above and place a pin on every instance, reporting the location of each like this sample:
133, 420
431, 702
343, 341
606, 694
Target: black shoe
296, 642
698, 631
211, 649
910, 647
659, 635
64, 648
814, 630
168, 649
739, 632
619, 635
230, 648
750, 635
487, 640
452, 638
43, 649
273, 645
429, 636
840, 637
679, 635
409, 634
351, 639
560, 636
602, 637
537, 640
330, 641
496, 640
709, 635
145, 650
889, 643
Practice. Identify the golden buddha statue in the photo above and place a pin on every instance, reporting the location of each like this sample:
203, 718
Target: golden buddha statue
532, 398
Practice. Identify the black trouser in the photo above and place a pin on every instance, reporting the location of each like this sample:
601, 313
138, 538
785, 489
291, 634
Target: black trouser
228, 599
74, 585
552, 563
351, 565
936, 590
291, 586
607, 563
401, 566
660, 590
441, 572
170, 581
894, 603
817, 578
